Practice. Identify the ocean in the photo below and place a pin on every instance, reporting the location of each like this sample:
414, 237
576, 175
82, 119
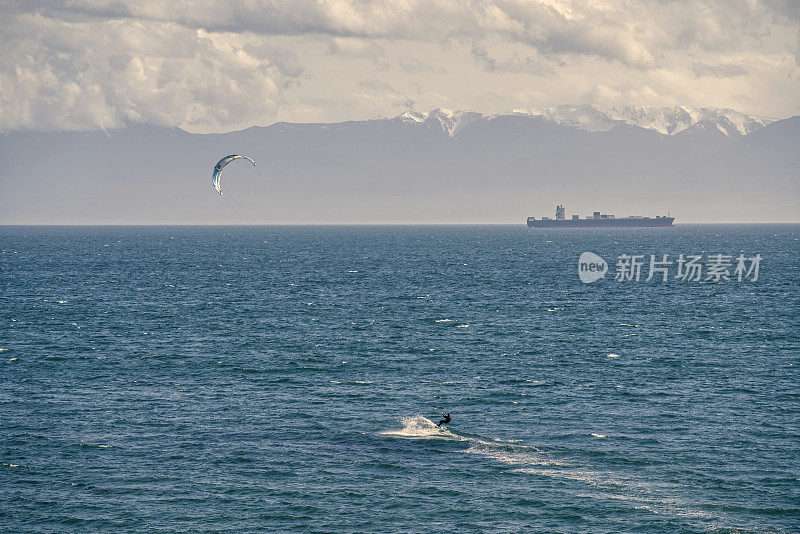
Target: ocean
272, 379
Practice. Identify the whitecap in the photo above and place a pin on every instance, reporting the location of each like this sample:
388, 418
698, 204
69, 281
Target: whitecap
462, 326
598, 435
418, 426
612, 355
445, 320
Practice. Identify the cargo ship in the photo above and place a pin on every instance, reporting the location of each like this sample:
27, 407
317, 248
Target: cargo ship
599, 220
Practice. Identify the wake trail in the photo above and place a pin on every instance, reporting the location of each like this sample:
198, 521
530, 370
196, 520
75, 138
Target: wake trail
420, 427
664, 498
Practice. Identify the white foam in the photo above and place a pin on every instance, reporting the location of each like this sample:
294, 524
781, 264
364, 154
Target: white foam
612, 355
599, 435
445, 320
418, 426
509, 453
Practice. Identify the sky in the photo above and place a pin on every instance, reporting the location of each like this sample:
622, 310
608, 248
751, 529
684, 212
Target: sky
209, 66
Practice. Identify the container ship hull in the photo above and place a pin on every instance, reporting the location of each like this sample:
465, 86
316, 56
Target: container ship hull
600, 223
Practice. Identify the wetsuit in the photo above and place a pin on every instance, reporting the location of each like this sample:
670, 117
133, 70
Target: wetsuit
444, 421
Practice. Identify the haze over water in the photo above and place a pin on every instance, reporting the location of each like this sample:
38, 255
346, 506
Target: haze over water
274, 378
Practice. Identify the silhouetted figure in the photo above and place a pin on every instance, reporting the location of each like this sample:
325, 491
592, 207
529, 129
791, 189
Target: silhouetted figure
445, 420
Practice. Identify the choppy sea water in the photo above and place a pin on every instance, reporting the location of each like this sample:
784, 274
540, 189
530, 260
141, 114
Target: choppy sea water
287, 378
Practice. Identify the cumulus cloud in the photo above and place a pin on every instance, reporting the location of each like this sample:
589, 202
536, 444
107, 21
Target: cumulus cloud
614, 29
205, 65
80, 75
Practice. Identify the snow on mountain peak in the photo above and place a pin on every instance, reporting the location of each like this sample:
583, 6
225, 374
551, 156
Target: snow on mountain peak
452, 121
410, 116
586, 117
666, 120
670, 120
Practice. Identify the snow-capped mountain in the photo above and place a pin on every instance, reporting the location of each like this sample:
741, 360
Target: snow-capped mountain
666, 120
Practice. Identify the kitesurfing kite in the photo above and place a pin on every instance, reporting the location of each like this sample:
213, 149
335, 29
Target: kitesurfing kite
215, 177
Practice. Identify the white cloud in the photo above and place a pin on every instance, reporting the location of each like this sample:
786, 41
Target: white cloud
206, 65
81, 75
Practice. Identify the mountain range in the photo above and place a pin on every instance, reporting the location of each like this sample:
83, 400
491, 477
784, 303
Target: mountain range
443, 166
665, 120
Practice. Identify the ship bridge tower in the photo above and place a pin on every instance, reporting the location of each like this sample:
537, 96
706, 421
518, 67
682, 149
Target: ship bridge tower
560, 212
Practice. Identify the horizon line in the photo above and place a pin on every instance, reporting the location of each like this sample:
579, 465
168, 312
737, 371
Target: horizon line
233, 225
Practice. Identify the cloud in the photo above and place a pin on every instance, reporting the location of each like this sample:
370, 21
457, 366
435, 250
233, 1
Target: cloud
406, 103
514, 63
77, 75
614, 30
355, 48
211, 66
375, 85
411, 65
359, 48
720, 71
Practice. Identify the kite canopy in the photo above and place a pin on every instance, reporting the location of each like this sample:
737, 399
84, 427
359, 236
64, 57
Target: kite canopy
215, 177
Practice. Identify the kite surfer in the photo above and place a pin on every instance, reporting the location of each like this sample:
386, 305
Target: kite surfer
445, 420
